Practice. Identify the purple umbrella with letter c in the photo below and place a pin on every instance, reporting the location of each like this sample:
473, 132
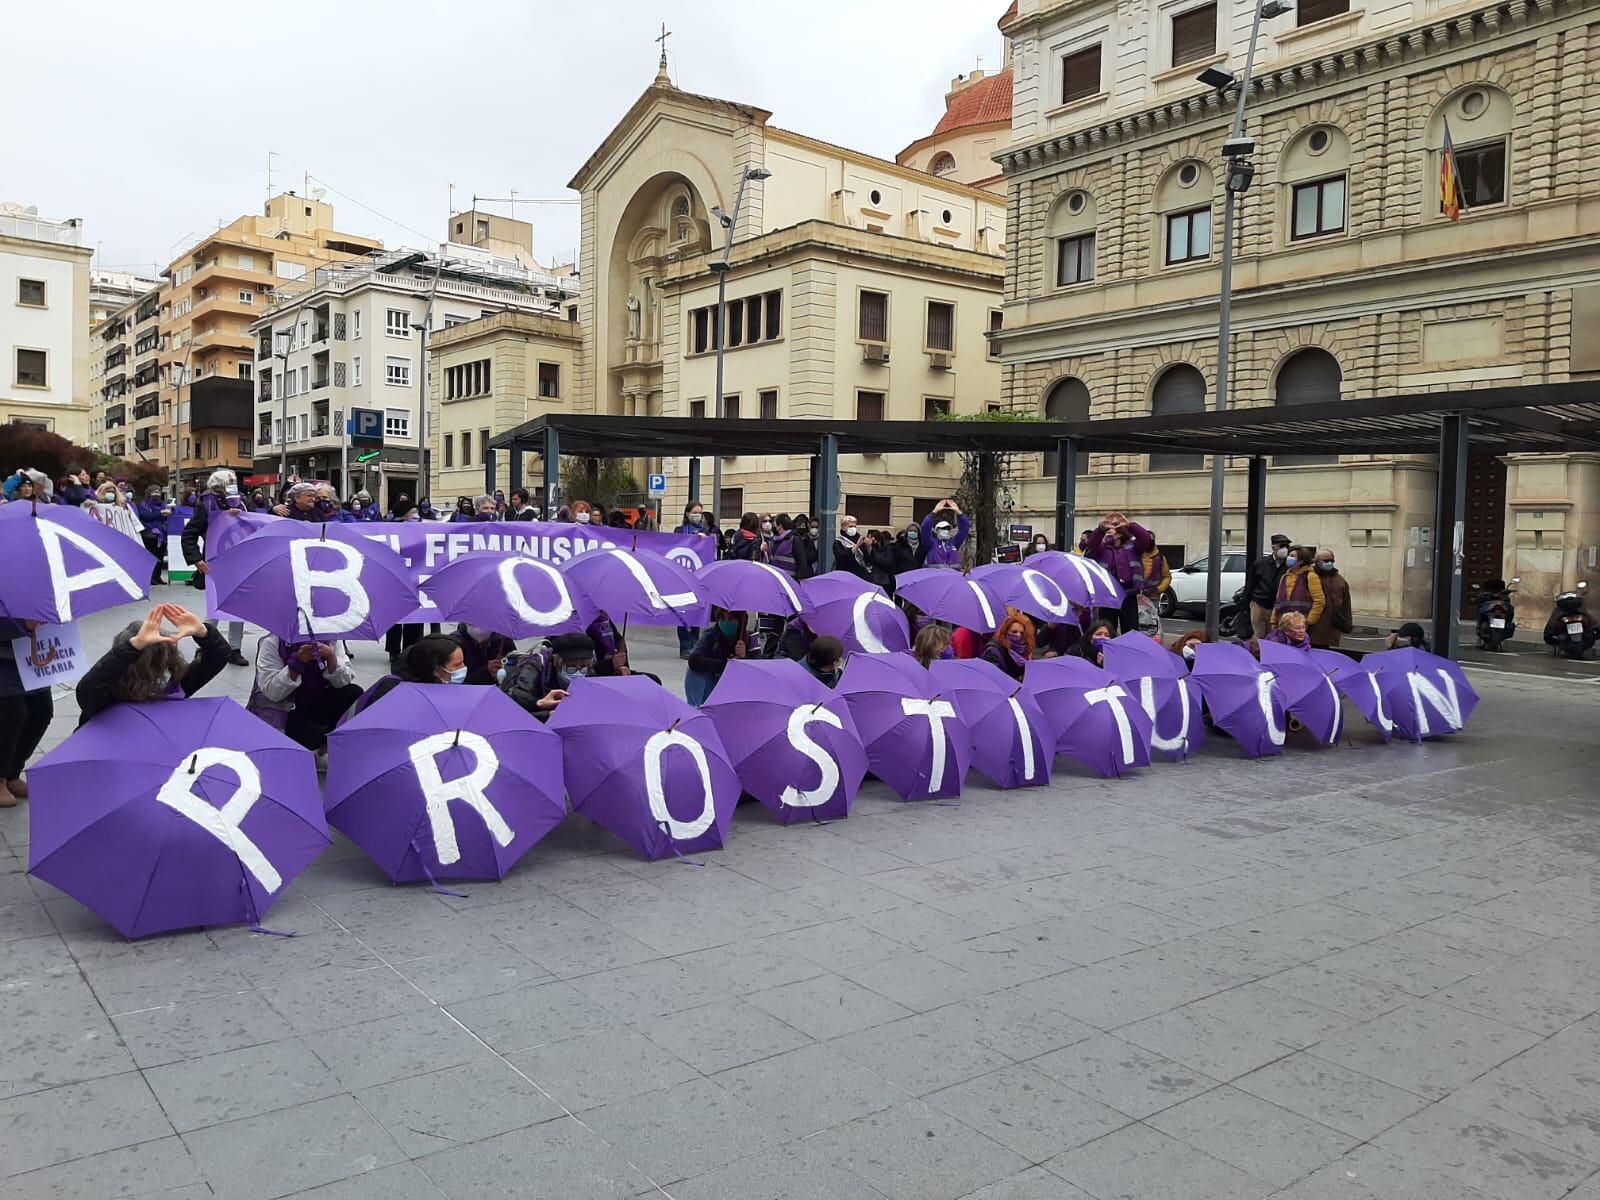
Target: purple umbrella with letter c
510, 594
1011, 740
916, 741
1093, 718
858, 613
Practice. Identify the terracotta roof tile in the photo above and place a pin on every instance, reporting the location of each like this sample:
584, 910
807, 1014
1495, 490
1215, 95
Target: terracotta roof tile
984, 103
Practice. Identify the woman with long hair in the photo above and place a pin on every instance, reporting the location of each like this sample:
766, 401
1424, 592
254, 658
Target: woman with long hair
144, 664
1011, 648
933, 642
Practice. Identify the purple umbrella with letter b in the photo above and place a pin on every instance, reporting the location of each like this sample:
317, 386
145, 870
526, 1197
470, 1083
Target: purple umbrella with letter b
510, 594
858, 613
916, 741
1011, 740
1093, 718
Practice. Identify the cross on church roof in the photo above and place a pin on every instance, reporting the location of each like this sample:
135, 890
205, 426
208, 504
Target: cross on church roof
662, 78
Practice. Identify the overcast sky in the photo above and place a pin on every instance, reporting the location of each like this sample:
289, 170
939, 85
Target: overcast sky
154, 126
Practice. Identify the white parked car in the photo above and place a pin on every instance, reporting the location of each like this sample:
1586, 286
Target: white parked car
1188, 591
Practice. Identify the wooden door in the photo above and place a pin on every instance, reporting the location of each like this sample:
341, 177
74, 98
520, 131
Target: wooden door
1485, 533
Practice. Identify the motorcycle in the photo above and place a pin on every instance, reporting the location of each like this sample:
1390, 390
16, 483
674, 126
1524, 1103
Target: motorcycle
1497, 615
1570, 630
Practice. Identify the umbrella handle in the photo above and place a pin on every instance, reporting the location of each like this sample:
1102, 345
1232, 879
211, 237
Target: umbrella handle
673, 845
422, 861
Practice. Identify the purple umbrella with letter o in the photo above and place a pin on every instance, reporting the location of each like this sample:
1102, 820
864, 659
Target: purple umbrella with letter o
1305, 676
1092, 717
743, 585
444, 782
1245, 700
790, 737
947, 595
62, 564
638, 585
644, 765
175, 815
1023, 587
1011, 740
1418, 694
510, 594
858, 613
1159, 679
915, 740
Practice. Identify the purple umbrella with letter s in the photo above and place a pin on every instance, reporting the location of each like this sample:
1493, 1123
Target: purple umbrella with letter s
1410, 691
1306, 678
790, 737
1011, 741
643, 764
1092, 717
207, 816
1160, 681
510, 594
62, 564
916, 741
858, 613
444, 782
1244, 698
947, 595
638, 585
744, 585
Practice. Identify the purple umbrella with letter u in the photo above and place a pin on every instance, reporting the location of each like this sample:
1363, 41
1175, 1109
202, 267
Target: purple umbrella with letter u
1305, 676
510, 594
858, 613
1011, 740
1160, 680
1245, 700
444, 782
1418, 694
790, 737
638, 585
947, 595
916, 741
743, 585
207, 816
1092, 717
644, 765
62, 564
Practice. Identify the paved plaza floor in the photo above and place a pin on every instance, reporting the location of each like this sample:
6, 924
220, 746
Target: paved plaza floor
1349, 974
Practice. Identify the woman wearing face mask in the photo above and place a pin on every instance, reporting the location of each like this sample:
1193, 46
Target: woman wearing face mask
1336, 619
1011, 648
1184, 646
220, 502
694, 522
932, 644
1291, 631
780, 547
944, 532
1094, 645
464, 511
908, 550
153, 512
727, 637
302, 689
144, 663
805, 547
482, 650
847, 551
582, 513
1300, 589
1039, 545
825, 660
1119, 545
539, 681
433, 659
748, 541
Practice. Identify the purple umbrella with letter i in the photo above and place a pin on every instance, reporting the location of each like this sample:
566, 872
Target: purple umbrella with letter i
916, 741
791, 738
858, 613
1092, 717
1012, 744
62, 564
1306, 678
206, 818
1245, 700
1418, 694
510, 594
947, 595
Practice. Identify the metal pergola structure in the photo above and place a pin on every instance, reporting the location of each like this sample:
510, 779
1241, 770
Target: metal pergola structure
1541, 418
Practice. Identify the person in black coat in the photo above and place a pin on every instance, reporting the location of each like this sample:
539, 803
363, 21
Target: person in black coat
1261, 584
727, 637
907, 551
482, 650
144, 663
24, 716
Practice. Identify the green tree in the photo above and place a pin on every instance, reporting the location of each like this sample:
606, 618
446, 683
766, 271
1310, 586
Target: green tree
608, 481
987, 492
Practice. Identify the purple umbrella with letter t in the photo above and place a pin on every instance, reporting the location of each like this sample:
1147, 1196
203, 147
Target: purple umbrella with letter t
206, 818
858, 613
510, 594
644, 765
62, 564
1093, 718
1012, 743
915, 740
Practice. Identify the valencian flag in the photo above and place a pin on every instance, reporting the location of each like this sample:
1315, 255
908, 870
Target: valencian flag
1449, 178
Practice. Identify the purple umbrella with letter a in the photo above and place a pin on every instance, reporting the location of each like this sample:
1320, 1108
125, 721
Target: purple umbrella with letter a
1092, 718
644, 765
1245, 700
444, 782
638, 585
947, 595
1418, 694
62, 564
1011, 740
1160, 680
858, 613
206, 816
1082, 580
743, 585
1305, 676
790, 737
916, 741
510, 594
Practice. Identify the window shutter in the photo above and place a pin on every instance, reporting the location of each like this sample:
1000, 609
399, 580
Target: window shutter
1080, 75
1194, 35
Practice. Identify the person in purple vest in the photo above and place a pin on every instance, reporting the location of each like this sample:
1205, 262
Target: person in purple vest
942, 539
144, 663
1119, 545
302, 688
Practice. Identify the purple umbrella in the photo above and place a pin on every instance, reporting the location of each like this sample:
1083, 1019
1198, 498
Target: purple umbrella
1305, 676
510, 594
1244, 698
1024, 587
1160, 680
947, 595
790, 737
858, 613
444, 782
639, 585
1090, 716
296, 582
1011, 740
1419, 694
916, 741
743, 585
206, 816
62, 564
643, 764
1083, 581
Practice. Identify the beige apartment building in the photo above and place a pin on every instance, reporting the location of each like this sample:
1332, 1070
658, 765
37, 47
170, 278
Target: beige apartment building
1349, 280
125, 380
44, 322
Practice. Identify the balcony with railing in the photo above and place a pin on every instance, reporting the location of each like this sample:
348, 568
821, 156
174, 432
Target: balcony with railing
221, 337
149, 309
147, 374
148, 343
145, 439
116, 356
116, 416
147, 407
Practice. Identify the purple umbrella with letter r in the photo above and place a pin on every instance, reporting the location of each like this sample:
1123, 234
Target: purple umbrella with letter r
916, 741
858, 613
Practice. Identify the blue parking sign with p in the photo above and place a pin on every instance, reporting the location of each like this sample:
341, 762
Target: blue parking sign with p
366, 426
658, 485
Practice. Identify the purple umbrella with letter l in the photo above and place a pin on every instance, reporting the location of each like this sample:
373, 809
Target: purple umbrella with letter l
1245, 700
510, 594
947, 595
1409, 691
916, 741
1085, 582
1305, 676
62, 564
638, 585
207, 816
644, 765
858, 613
301, 583
444, 782
1012, 743
790, 737
743, 585
1160, 680
1092, 718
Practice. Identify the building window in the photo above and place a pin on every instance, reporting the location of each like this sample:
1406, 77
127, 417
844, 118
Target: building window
245, 370
1189, 235
730, 407
397, 323
701, 326
1308, 376
244, 447
466, 447
32, 368
264, 428
873, 321
748, 321
1483, 173
869, 406
871, 511
396, 423
1068, 401
997, 322
1181, 389
355, 324
935, 408
397, 371
30, 293
483, 444
1309, 12
467, 379
944, 163
1194, 35
277, 426
1075, 260
1080, 75
550, 380
731, 507
449, 450
941, 333
355, 371
246, 296
697, 410
1318, 208
769, 404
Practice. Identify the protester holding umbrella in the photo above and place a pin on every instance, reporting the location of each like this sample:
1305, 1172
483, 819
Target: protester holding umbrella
933, 645
727, 637
1093, 646
941, 539
483, 650
220, 497
1011, 648
1119, 545
24, 715
153, 512
432, 659
1184, 646
302, 688
611, 648
539, 681
144, 663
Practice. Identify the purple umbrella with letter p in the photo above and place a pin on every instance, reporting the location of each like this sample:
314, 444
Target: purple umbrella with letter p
62, 564
790, 737
1418, 694
644, 765
444, 782
1011, 740
1305, 676
638, 585
858, 613
1092, 717
916, 741
1245, 700
947, 595
510, 594
744, 585
1160, 680
207, 816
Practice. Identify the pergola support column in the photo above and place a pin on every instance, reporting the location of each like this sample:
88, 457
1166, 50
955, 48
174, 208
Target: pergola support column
1449, 533
552, 472
827, 515
1066, 491
1255, 510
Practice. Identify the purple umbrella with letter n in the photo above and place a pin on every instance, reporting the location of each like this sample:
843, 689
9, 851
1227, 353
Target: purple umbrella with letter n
444, 782
1245, 700
743, 585
1306, 678
644, 765
62, 564
1011, 741
1160, 680
638, 585
207, 816
1082, 580
858, 613
510, 594
947, 595
1091, 716
791, 738
1418, 694
915, 740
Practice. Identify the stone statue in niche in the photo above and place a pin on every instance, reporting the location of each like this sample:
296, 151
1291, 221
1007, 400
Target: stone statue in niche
633, 317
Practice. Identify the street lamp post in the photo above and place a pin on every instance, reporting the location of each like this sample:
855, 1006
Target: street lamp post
721, 268
1236, 149
285, 339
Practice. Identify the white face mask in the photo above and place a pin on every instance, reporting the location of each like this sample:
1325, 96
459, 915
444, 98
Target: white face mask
850, 532
581, 518
1041, 545
696, 518
1188, 652
459, 675
766, 527
1280, 552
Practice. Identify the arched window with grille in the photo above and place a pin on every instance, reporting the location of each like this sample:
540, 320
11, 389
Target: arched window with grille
1179, 389
944, 163
1309, 376
1068, 400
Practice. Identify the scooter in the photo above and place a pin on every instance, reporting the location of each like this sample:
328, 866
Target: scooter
1570, 630
1497, 615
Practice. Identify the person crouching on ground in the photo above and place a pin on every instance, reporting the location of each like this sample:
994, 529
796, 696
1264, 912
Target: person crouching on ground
144, 663
825, 660
539, 681
727, 637
1011, 648
302, 688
